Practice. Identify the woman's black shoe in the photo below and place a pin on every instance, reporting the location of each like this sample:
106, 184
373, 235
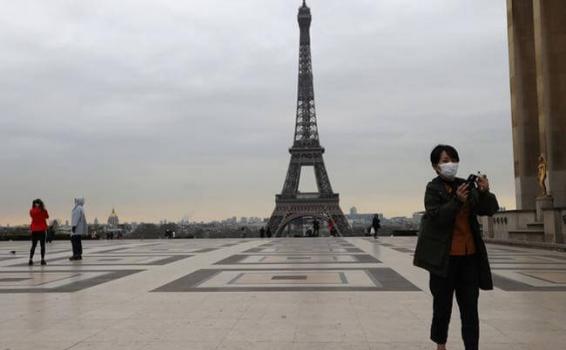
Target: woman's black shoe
43, 262
30, 262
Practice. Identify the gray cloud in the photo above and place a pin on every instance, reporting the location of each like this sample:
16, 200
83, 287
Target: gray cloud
173, 108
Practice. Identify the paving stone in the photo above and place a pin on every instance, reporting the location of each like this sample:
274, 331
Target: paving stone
315, 293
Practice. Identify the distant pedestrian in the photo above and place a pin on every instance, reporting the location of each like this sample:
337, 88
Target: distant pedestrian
39, 216
376, 225
315, 227
262, 232
268, 232
51, 231
79, 227
331, 228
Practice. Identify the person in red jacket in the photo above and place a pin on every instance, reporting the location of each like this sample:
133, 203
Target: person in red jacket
331, 228
39, 218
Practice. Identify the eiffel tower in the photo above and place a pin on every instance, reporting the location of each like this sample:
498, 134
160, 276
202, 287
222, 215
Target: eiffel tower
292, 205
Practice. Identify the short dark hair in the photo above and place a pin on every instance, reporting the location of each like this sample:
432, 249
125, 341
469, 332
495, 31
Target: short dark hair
437, 152
39, 202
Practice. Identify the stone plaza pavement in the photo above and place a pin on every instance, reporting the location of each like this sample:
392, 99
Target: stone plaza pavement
275, 294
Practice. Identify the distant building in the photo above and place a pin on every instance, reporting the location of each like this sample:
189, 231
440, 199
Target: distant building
401, 222
360, 219
230, 221
417, 217
113, 220
353, 211
113, 230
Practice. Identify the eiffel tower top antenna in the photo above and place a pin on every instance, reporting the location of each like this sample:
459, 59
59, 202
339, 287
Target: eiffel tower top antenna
306, 129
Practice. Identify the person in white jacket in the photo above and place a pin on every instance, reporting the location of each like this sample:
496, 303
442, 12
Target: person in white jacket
79, 227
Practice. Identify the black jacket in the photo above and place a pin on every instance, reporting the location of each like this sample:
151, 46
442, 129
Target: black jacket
437, 226
376, 223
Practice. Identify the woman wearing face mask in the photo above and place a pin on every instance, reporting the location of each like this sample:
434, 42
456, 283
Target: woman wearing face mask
451, 248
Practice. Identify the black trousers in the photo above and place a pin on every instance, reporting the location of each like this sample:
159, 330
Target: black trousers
462, 279
375, 230
38, 236
77, 244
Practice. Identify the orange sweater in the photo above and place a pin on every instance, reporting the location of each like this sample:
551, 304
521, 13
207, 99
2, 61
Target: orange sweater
462, 237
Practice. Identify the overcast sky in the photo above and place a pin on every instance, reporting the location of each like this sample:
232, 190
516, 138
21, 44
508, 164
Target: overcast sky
178, 108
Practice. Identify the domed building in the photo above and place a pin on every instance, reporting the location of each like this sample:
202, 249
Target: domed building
113, 220
112, 229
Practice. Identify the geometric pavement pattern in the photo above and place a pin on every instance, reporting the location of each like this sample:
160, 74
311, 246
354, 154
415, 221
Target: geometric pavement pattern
282, 293
279, 264
513, 268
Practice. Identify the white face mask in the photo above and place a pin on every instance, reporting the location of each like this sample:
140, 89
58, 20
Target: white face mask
448, 170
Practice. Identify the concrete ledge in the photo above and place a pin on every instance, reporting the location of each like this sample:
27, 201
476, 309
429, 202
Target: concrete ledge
515, 211
541, 245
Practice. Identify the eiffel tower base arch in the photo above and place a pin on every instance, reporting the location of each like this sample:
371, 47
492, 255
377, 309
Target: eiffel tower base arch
288, 210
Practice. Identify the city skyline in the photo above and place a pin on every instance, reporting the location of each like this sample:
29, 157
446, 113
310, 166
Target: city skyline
134, 105
102, 220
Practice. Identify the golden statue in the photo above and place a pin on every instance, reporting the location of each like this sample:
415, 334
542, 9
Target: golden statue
542, 170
